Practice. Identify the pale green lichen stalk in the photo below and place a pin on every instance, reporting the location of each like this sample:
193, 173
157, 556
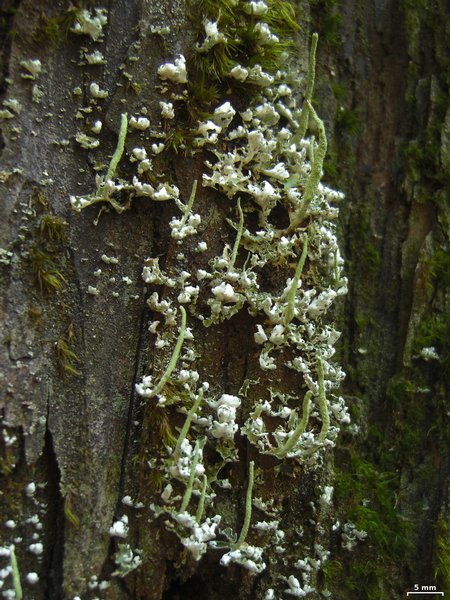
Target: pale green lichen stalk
248, 506
188, 493
201, 502
105, 186
319, 156
189, 204
304, 115
118, 153
15, 574
323, 406
187, 423
283, 451
145, 391
238, 235
289, 312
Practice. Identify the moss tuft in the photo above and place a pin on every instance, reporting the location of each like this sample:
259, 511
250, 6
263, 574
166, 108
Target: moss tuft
46, 270
442, 556
366, 496
53, 228
56, 28
328, 21
208, 70
65, 356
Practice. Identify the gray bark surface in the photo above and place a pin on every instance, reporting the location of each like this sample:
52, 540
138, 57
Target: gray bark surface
85, 439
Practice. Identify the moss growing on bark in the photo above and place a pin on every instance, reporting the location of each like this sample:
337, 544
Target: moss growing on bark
327, 18
367, 497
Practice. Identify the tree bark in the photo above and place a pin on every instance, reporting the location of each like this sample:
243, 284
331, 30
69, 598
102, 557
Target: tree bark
77, 439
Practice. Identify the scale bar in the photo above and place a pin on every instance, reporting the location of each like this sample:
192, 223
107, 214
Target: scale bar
416, 593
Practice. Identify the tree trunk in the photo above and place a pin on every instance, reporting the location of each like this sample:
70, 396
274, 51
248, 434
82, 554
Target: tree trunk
85, 457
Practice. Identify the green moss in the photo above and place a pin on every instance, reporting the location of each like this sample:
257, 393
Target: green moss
208, 70
69, 514
434, 330
442, 556
327, 18
6, 23
371, 257
347, 126
428, 81
369, 494
35, 313
8, 458
440, 268
53, 229
179, 140
407, 400
46, 271
422, 160
66, 357
434, 327
56, 28
161, 427
363, 320
368, 580
348, 122
332, 570
331, 166
406, 433
46, 252
201, 96
366, 496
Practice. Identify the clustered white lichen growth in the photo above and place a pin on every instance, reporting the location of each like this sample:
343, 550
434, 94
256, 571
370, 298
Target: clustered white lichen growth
265, 158
12, 578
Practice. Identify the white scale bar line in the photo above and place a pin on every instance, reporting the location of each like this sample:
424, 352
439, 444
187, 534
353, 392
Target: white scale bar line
411, 593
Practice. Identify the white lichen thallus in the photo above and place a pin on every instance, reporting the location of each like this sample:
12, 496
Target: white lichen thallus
263, 159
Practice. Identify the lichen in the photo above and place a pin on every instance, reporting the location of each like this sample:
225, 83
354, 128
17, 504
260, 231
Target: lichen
233, 102
231, 289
